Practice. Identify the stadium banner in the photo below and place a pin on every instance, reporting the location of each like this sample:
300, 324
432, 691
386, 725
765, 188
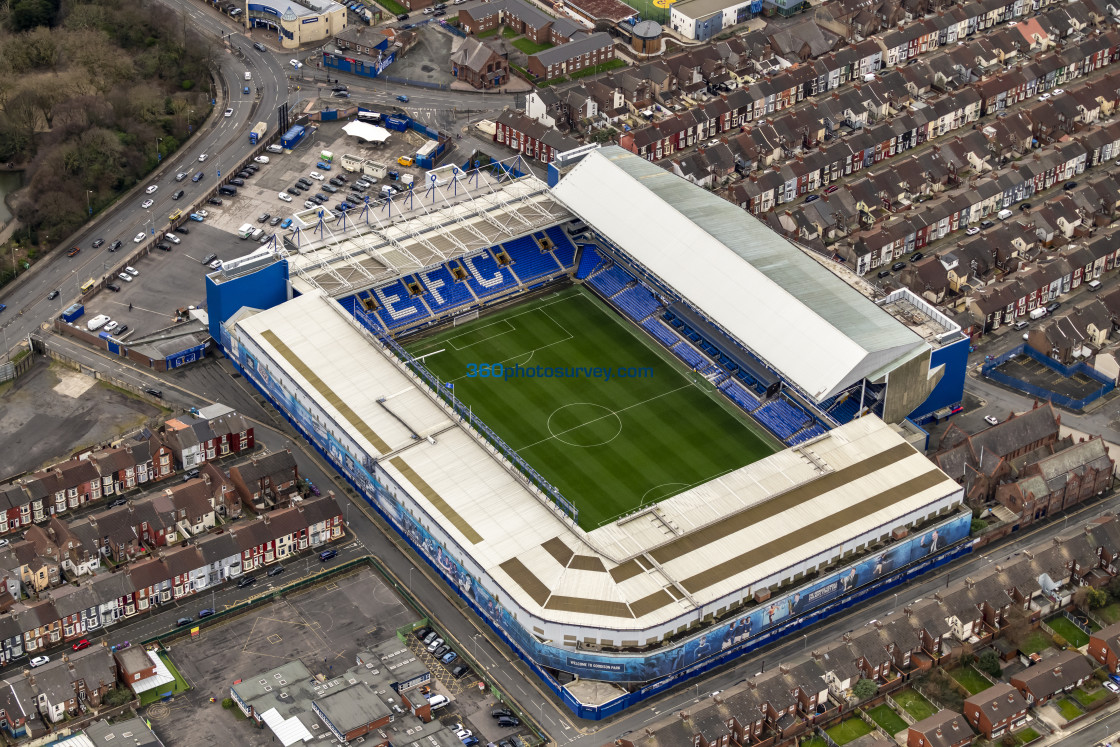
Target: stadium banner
769, 619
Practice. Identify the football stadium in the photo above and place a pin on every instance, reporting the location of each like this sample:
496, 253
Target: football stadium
639, 433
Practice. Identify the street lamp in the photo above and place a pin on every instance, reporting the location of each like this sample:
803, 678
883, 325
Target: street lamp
410, 570
189, 113
159, 156
88, 206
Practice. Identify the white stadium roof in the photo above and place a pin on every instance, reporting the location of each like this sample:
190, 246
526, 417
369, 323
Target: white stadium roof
715, 540
820, 333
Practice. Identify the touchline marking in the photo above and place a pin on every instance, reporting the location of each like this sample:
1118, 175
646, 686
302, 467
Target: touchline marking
610, 413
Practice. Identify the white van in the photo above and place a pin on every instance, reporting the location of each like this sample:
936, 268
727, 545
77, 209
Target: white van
257, 233
245, 231
248, 75
1094, 286
97, 322
1004, 214
438, 701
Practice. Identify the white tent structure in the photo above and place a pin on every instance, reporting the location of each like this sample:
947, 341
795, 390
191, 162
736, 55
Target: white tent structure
371, 133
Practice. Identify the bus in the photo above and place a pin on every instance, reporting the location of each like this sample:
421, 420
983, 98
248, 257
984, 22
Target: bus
372, 117
87, 286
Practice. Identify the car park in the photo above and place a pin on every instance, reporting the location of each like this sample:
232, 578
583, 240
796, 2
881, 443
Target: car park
125, 277
122, 329
275, 220
285, 196
152, 188
237, 182
138, 237
163, 247
113, 287
109, 326
274, 148
147, 204
286, 222
263, 218
97, 243
197, 177
209, 258
172, 238
215, 201
132, 271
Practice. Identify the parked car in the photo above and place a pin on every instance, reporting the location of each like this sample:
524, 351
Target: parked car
421, 632
172, 238
125, 277
246, 581
449, 657
459, 671
263, 218
275, 220
972, 230
79, 645
182, 621
39, 661
991, 420
113, 287
122, 329
327, 555
154, 392
1069, 185
117, 502
215, 200
163, 247
205, 613
209, 258
508, 722
284, 196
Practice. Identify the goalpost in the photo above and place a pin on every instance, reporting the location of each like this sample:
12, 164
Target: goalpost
466, 316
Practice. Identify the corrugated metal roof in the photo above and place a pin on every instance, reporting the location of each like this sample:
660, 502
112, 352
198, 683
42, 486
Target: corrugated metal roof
809, 324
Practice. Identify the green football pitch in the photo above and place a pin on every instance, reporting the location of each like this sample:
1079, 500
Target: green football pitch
649, 431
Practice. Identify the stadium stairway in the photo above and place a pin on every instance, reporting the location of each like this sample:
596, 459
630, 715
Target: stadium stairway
564, 250
529, 263
494, 279
589, 262
443, 292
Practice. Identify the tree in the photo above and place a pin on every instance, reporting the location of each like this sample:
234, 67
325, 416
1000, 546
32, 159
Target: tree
1089, 598
1114, 587
864, 689
1017, 626
989, 663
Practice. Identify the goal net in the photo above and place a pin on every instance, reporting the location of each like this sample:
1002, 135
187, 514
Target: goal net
466, 316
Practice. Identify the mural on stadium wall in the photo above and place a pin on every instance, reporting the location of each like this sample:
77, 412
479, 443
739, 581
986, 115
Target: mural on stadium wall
395, 504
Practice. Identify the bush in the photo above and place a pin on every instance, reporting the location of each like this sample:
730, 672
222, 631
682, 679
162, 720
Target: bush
117, 696
979, 525
864, 689
227, 703
989, 663
1060, 641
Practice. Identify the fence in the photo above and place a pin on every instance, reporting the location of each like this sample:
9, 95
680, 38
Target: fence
77, 724
1107, 385
13, 370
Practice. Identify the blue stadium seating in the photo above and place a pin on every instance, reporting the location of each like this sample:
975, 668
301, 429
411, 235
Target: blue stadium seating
498, 279
610, 281
808, 434
781, 417
661, 333
637, 302
565, 250
443, 292
396, 307
690, 355
529, 262
588, 261
738, 394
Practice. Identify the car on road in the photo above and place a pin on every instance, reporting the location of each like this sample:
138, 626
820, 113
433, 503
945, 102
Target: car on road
316, 176
97, 243
247, 581
1069, 185
39, 661
327, 555
261, 159
229, 112
197, 177
259, 47
991, 420
295, 63
180, 176
972, 230
244, 90
138, 237
403, 98
285, 196
178, 195
275, 570
125, 277
147, 204
115, 245
202, 158
3, 306
152, 188
117, 502
172, 238
154, 392
84, 643
52, 295
74, 252
182, 621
